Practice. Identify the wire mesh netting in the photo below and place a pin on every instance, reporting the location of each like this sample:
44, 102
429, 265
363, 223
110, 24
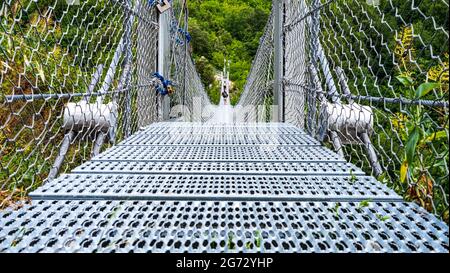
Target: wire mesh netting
370, 80
78, 77
183, 70
258, 88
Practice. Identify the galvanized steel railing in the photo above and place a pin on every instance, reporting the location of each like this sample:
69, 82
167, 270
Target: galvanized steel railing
78, 76
370, 79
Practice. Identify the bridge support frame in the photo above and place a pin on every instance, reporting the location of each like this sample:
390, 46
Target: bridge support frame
163, 47
278, 88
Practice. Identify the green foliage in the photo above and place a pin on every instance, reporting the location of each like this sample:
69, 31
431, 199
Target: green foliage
335, 210
385, 57
364, 203
382, 218
425, 88
352, 177
420, 167
411, 144
206, 71
230, 243
405, 80
214, 92
256, 243
41, 54
226, 29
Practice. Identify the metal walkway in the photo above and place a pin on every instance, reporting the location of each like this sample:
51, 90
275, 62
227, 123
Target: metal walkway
219, 187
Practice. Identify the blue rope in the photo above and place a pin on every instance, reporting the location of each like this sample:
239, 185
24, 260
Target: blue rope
153, 3
174, 28
166, 87
186, 34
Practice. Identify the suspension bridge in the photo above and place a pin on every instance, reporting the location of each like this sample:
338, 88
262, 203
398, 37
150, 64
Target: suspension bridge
119, 148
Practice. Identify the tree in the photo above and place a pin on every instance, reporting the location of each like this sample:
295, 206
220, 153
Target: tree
228, 29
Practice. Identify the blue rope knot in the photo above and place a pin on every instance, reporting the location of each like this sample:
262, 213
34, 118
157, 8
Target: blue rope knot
174, 28
153, 3
166, 88
186, 34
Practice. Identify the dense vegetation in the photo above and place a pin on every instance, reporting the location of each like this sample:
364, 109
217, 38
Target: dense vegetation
386, 57
228, 29
40, 54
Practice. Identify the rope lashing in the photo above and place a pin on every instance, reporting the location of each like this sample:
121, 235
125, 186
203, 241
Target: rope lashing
174, 27
166, 87
153, 3
186, 34
183, 32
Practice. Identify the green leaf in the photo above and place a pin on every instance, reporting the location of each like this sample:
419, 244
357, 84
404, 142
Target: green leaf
382, 218
249, 245
403, 171
336, 209
411, 145
41, 72
405, 80
231, 244
25, 58
425, 88
439, 164
436, 136
352, 177
364, 203
258, 239
28, 177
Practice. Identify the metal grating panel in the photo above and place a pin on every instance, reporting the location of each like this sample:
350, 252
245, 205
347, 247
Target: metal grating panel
198, 226
168, 124
174, 196
215, 187
231, 130
219, 153
249, 168
218, 139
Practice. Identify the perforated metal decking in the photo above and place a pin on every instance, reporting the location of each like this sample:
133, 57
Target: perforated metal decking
218, 187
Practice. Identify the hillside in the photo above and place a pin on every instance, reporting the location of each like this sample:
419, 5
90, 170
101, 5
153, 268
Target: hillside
226, 29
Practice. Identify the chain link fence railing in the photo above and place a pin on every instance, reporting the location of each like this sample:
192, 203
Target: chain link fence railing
190, 100
77, 77
257, 95
369, 79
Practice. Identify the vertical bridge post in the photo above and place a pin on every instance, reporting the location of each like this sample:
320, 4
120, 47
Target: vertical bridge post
163, 45
278, 93
314, 78
186, 21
